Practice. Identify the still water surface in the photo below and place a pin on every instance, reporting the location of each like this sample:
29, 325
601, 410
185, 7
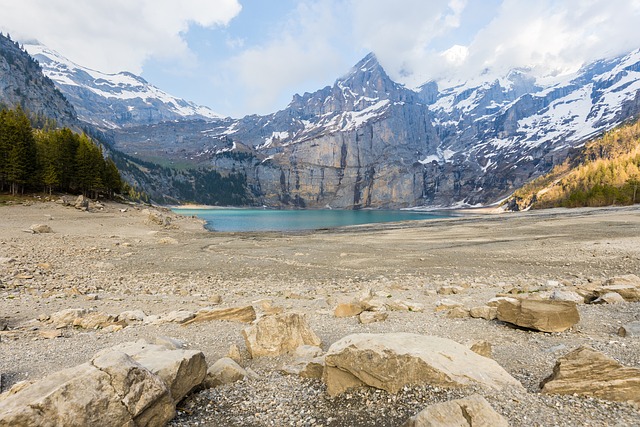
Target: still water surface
293, 220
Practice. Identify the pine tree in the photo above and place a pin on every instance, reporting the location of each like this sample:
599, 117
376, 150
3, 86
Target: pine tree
112, 180
21, 152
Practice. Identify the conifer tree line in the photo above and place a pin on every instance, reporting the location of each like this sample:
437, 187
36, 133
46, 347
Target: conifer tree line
608, 173
52, 159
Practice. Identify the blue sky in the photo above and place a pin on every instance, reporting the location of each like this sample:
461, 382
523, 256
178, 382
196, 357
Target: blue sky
250, 56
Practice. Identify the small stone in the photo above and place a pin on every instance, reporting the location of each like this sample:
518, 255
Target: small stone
447, 304
348, 309
609, 298
470, 411
399, 305
631, 329
50, 334
306, 367
560, 295
368, 317
40, 228
234, 353
483, 312
458, 313
132, 316
450, 290
224, 371
267, 307
168, 241
112, 328
82, 203
178, 316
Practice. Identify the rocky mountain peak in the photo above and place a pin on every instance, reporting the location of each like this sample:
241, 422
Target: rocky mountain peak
366, 85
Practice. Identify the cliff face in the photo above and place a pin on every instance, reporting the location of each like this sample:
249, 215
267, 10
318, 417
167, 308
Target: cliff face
367, 141
22, 83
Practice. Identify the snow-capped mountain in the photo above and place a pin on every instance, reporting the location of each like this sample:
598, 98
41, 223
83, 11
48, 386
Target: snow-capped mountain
367, 141
113, 100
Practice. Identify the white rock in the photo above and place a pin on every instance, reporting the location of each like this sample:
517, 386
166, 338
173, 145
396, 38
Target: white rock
391, 361
224, 371
470, 411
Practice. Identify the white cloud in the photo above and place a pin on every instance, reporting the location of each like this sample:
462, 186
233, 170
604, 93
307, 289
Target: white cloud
548, 36
456, 55
114, 35
300, 50
401, 32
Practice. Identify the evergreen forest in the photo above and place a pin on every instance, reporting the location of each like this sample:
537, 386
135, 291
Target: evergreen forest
49, 159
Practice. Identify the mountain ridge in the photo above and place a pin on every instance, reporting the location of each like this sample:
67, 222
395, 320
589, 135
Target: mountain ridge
369, 142
113, 100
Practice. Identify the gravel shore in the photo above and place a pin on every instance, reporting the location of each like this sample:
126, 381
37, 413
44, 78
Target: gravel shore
118, 258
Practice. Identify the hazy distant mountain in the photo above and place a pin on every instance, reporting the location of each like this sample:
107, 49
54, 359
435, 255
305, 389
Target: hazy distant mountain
22, 83
367, 141
113, 100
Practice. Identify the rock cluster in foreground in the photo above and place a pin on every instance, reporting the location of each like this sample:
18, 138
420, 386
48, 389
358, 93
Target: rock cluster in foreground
141, 383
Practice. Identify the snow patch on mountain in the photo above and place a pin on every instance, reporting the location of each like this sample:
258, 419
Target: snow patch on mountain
121, 92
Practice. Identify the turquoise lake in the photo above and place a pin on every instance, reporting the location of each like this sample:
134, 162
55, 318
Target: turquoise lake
296, 220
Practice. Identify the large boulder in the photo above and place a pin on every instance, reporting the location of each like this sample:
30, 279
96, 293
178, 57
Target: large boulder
181, 370
391, 361
111, 390
539, 315
473, 410
279, 334
588, 372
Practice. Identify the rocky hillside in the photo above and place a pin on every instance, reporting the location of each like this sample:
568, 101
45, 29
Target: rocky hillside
367, 141
22, 83
113, 100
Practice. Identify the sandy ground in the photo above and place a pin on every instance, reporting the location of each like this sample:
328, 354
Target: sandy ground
115, 260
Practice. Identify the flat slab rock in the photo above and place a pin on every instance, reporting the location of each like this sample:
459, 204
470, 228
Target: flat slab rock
588, 372
391, 361
539, 315
470, 411
245, 314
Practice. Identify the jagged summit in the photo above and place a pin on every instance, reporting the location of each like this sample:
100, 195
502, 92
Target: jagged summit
365, 86
113, 100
